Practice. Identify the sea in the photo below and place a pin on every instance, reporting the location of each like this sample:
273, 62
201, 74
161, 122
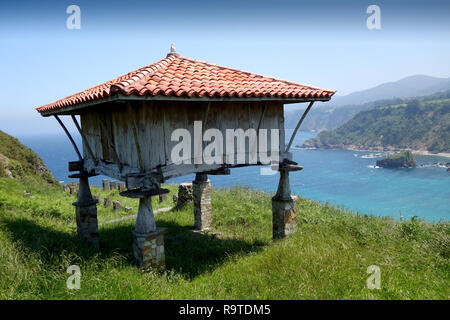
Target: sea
344, 178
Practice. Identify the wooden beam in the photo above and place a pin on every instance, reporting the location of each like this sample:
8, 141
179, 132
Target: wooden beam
75, 109
70, 137
86, 143
205, 116
298, 126
111, 144
261, 117
166, 155
136, 137
205, 120
137, 179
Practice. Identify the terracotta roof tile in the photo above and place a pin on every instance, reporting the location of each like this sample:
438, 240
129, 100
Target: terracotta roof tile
176, 76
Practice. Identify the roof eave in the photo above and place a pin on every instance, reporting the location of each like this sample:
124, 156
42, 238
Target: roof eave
123, 98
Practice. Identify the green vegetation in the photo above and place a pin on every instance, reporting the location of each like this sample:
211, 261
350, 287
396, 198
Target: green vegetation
330, 116
326, 259
322, 118
403, 159
416, 125
18, 161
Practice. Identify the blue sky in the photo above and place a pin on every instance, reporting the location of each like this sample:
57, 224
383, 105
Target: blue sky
322, 43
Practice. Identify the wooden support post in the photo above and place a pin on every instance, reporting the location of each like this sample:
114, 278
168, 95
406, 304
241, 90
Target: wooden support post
201, 188
86, 214
283, 208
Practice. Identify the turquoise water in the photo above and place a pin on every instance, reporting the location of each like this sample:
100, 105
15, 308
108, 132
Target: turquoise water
342, 177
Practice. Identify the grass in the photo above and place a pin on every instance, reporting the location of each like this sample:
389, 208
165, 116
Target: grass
326, 259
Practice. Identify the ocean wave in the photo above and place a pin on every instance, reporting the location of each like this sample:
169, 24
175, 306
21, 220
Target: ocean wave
434, 165
373, 155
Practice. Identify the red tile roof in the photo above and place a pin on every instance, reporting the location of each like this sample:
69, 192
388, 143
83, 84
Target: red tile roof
177, 76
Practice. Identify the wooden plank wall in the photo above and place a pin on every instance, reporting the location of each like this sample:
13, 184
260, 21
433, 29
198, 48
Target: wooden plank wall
155, 122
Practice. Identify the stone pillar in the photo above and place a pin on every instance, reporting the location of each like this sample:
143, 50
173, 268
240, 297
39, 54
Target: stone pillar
201, 188
283, 208
184, 194
105, 184
162, 197
121, 186
112, 185
116, 205
148, 240
86, 214
107, 202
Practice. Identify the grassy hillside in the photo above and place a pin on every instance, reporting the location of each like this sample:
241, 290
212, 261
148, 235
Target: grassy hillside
417, 125
18, 161
326, 259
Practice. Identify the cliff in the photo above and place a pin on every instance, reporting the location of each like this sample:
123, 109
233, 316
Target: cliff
416, 125
18, 161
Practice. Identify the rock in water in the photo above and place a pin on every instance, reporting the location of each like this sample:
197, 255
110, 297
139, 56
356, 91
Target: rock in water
403, 159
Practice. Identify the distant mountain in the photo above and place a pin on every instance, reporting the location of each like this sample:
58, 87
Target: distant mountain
331, 115
418, 124
416, 85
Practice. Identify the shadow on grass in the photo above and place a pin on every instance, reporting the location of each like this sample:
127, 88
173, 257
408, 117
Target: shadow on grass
188, 252
192, 253
51, 245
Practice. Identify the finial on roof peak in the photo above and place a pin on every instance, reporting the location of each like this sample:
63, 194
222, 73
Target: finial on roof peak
173, 51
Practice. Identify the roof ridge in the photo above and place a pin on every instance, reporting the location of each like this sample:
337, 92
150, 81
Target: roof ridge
156, 66
254, 74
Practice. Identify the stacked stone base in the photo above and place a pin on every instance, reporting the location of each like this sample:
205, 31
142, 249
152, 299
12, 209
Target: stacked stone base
87, 225
202, 204
148, 250
284, 217
184, 194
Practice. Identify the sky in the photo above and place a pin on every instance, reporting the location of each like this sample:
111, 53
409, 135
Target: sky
321, 43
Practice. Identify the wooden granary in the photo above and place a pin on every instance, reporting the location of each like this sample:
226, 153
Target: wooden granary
175, 117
